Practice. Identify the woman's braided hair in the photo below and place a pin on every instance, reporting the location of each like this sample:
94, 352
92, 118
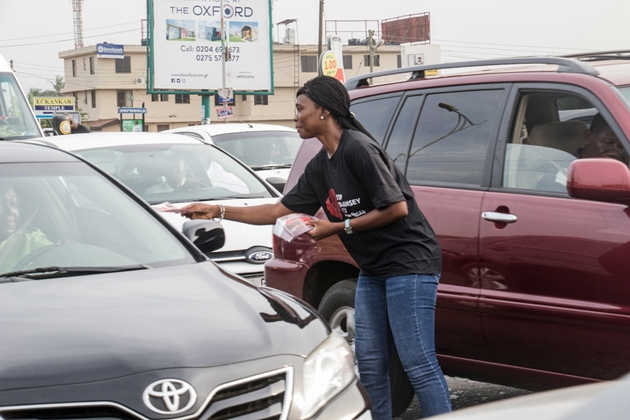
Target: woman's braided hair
329, 93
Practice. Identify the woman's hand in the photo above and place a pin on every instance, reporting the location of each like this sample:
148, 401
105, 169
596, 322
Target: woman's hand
200, 211
323, 229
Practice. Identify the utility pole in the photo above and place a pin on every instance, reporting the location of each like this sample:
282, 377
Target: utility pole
371, 47
226, 56
321, 30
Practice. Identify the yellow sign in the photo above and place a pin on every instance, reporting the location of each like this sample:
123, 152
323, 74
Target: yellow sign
329, 64
55, 101
431, 72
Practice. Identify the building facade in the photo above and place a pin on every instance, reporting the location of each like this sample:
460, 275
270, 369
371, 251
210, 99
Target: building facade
102, 85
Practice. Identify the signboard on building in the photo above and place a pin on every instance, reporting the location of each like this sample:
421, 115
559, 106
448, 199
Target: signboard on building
418, 54
45, 107
132, 125
110, 51
187, 41
129, 110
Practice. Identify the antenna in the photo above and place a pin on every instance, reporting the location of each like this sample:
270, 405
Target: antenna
77, 7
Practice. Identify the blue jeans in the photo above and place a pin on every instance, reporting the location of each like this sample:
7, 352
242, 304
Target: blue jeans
399, 310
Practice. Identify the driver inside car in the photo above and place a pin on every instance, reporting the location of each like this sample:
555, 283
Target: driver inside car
17, 240
180, 177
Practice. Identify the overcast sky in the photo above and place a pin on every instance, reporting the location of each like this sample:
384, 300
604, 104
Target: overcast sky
33, 32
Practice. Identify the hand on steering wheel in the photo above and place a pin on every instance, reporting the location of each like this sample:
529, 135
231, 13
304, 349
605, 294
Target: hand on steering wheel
192, 184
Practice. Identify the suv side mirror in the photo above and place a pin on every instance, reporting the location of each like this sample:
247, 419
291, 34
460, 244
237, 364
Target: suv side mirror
208, 235
599, 179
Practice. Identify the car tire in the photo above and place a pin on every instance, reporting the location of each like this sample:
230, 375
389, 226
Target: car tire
337, 307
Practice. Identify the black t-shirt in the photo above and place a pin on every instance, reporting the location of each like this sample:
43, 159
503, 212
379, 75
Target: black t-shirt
358, 178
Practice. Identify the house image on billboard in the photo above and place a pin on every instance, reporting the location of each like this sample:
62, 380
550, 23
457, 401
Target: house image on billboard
248, 33
244, 31
174, 32
210, 31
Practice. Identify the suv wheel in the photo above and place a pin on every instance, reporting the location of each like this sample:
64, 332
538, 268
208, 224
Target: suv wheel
337, 307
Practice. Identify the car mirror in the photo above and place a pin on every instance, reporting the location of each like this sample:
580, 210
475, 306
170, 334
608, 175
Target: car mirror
208, 235
277, 182
599, 179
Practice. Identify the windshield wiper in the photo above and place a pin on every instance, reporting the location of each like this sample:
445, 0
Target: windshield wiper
268, 167
54, 271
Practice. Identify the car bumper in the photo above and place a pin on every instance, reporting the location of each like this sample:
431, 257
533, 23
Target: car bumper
352, 403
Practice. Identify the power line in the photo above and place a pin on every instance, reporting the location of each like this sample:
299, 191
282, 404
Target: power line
508, 45
65, 33
66, 40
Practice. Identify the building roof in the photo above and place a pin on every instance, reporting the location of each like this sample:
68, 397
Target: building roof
98, 124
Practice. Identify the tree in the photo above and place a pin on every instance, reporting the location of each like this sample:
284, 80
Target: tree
58, 84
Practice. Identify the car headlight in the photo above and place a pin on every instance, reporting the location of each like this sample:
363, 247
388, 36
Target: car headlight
328, 370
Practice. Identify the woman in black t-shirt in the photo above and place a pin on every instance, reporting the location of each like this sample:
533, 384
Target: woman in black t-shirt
370, 205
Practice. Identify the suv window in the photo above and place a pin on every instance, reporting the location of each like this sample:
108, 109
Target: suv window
451, 139
398, 143
547, 135
375, 114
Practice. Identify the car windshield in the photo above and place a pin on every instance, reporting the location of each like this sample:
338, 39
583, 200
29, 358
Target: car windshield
67, 216
261, 149
178, 172
17, 121
625, 91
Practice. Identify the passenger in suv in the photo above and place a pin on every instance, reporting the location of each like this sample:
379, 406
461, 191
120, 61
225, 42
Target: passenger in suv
534, 289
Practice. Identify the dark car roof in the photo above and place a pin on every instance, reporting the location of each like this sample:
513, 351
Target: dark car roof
16, 152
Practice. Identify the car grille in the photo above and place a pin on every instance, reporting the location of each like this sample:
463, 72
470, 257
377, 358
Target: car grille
261, 397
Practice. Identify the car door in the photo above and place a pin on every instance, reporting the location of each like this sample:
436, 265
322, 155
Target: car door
442, 140
555, 293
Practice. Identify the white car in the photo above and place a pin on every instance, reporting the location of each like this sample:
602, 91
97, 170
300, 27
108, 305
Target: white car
600, 400
167, 168
268, 149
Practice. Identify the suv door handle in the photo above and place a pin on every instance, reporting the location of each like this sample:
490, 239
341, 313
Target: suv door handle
493, 216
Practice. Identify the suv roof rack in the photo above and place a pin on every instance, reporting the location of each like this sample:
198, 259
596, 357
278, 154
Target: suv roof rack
602, 55
565, 65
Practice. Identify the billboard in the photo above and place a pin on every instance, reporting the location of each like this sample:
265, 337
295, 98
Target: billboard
405, 29
187, 48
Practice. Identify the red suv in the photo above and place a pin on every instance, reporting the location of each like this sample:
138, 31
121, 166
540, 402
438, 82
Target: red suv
535, 288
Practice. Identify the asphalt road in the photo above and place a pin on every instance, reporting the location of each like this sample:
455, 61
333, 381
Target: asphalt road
466, 393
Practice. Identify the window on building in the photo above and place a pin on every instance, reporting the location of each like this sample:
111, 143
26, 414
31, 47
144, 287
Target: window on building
163, 127
347, 62
244, 98
377, 60
124, 98
261, 99
84, 64
74, 68
309, 63
123, 65
91, 65
85, 100
398, 61
93, 99
182, 99
159, 97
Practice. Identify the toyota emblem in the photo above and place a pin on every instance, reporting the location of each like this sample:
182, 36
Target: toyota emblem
169, 396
